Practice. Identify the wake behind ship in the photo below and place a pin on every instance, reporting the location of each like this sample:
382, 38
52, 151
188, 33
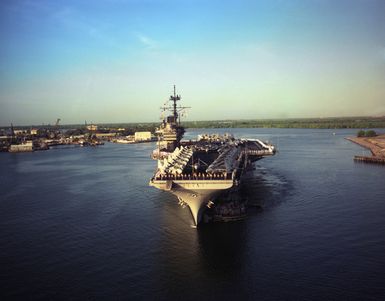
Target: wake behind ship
204, 173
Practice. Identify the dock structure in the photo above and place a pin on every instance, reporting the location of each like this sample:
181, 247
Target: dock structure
366, 159
376, 145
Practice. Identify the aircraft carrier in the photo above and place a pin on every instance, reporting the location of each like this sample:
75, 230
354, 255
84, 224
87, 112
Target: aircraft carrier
206, 172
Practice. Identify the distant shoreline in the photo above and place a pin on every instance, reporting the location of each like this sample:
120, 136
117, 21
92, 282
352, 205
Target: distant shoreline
301, 123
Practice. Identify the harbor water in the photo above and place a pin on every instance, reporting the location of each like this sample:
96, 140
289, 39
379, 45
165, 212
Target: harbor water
83, 224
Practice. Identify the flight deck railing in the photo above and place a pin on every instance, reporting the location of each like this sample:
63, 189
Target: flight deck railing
252, 152
194, 176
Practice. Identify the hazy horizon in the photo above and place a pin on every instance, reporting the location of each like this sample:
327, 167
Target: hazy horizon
116, 61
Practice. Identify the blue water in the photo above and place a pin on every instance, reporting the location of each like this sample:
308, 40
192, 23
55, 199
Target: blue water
83, 224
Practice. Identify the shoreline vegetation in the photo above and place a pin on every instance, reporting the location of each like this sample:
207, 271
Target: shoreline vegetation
304, 123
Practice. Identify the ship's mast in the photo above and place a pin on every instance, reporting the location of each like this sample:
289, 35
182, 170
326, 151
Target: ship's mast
174, 108
174, 98
170, 131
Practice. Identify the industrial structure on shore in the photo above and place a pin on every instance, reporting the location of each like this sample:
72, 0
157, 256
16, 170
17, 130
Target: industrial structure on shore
204, 174
24, 139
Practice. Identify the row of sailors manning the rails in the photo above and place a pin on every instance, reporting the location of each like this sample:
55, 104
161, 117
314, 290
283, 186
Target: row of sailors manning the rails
227, 161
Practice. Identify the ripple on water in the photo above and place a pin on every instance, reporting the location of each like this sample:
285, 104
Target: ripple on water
84, 224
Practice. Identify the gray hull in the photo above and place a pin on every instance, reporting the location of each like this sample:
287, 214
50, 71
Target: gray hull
195, 194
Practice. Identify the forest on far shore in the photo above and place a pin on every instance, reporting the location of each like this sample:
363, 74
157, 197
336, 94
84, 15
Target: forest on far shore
303, 123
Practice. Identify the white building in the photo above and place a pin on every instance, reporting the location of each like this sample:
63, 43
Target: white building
92, 127
24, 147
142, 136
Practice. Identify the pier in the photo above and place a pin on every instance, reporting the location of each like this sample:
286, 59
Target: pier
376, 145
366, 159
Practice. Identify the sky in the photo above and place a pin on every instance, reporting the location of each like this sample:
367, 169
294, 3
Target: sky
113, 61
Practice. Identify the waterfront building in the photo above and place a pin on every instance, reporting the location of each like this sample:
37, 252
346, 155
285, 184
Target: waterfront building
24, 147
92, 127
142, 136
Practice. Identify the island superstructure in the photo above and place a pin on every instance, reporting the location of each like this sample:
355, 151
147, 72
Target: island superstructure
202, 173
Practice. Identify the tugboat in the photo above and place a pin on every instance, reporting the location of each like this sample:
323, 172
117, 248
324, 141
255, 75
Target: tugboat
206, 172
